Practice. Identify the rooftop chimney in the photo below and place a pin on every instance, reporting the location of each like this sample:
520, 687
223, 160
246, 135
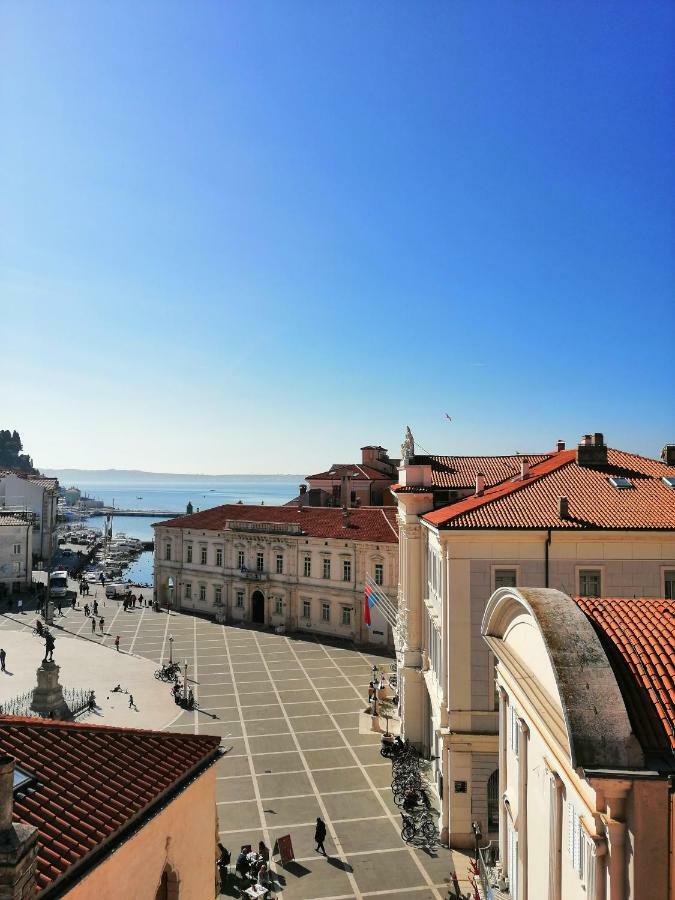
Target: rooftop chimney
524, 468
345, 517
18, 843
592, 451
563, 508
302, 499
668, 454
560, 446
480, 484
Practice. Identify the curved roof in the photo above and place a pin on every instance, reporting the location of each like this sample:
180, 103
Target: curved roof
598, 726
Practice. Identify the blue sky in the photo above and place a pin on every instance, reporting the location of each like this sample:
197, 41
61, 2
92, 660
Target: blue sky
240, 237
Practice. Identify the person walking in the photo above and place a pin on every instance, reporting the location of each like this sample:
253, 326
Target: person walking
19, 606
101, 623
86, 610
3, 657
131, 701
320, 835
95, 607
117, 643
58, 606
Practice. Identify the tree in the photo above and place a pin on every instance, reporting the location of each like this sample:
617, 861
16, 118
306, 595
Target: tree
11, 456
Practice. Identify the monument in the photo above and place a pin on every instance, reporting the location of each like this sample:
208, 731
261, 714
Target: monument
48, 700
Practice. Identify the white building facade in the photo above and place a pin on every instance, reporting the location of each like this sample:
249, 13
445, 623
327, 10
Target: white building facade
554, 520
34, 498
16, 572
300, 568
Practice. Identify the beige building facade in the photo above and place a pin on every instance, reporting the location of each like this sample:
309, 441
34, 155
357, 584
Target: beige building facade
35, 499
15, 554
584, 802
453, 557
284, 567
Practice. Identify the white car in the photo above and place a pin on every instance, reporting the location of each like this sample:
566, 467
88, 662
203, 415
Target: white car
115, 589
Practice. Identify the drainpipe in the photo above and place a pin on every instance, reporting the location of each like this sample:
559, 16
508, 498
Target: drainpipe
546, 554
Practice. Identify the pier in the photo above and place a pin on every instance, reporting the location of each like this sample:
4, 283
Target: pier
149, 513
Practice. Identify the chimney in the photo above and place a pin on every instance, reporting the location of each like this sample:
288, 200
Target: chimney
345, 517
18, 843
560, 446
302, 499
480, 484
668, 454
346, 490
592, 451
524, 468
563, 508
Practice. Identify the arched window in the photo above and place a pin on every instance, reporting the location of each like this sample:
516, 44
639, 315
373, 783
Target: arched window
168, 885
493, 801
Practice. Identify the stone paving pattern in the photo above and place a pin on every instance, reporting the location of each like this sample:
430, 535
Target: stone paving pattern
288, 708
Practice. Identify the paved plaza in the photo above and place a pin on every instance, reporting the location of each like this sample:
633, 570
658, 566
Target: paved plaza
288, 710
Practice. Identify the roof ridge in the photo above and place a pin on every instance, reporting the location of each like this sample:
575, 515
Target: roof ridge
37, 722
504, 488
386, 519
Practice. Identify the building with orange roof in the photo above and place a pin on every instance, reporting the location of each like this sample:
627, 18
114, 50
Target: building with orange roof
353, 484
586, 745
299, 568
98, 811
592, 521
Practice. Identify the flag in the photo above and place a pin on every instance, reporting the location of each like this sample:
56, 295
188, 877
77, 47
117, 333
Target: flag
369, 600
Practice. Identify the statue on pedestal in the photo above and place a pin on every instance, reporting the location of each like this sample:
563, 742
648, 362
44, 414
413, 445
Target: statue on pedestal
407, 447
49, 647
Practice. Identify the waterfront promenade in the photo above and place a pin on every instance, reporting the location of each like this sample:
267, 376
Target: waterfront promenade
288, 710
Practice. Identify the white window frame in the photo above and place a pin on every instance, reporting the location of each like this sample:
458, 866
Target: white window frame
503, 567
278, 606
306, 609
187, 590
16, 549
326, 567
583, 570
241, 559
307, 566
167, 552
219, 557
325, 611
260, 561
664, 572
218, 594
204, 556
239, 600
378, 574
202, 593
347, 616
188, 553
280, 563
346, 570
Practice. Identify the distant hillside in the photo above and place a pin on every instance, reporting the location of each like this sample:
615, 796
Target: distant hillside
133, 476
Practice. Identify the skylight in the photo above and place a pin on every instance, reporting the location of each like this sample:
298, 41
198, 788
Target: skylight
669, 481
21, 778
618, 481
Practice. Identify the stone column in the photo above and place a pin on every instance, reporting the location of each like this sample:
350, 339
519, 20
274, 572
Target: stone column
522, 809
555, 837
18, 843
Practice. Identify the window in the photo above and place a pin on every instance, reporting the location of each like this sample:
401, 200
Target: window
203, 556
308, 567
17, 549
188, 553
346, 570
669, 481
325, 612
240, 599
218, 595
188, 591
346, 615
505, 578
167, 552
576, 839
589, 583
280, 563
278, 607
326, 568
306, 608
493, 801
202, 592
379, 573
259, 561
669, 586
219, 556
618, 481
240, 559
514, 730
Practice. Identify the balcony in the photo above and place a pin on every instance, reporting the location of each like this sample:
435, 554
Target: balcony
251, 574
264, 527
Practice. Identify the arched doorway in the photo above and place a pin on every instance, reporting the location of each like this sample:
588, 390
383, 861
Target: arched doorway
258, 607
168, 885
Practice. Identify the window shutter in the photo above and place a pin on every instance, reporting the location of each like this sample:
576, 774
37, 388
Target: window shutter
570, 830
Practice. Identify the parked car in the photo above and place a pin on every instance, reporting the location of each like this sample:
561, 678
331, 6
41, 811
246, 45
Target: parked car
58, 584
114, 589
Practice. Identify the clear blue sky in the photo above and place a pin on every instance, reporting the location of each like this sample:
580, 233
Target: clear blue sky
255, 236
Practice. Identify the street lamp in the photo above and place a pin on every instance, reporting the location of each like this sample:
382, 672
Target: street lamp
170, 649
185, 687
477, 835
170, 585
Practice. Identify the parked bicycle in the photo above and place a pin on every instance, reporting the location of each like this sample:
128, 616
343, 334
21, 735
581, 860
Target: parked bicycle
169, 672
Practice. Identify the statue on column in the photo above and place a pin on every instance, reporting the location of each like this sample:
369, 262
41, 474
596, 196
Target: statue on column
407, 447
49, 646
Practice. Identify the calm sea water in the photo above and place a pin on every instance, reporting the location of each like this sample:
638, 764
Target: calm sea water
173, 498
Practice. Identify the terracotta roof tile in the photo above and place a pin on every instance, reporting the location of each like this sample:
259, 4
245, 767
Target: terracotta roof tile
461, 471
103, 777
357, 471
366, 523
593, 501
638, 635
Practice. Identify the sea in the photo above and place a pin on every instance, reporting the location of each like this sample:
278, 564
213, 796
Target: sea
173, 497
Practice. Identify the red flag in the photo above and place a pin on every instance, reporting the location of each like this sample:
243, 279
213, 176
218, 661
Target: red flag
366, 606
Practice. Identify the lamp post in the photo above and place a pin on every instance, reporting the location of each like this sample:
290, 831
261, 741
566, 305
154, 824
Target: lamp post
170, 585
170, 649
185, 687
475, 827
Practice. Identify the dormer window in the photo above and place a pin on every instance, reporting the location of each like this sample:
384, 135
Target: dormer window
618, 481
669, 481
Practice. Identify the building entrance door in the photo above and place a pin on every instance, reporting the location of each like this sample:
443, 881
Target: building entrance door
258, 608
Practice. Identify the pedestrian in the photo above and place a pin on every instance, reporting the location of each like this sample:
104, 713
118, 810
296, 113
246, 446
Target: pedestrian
73, 601
92, 701
95, 607
131, 701
320, 835
19, 606
117, 643
3, 657
101, 622
86, 588
58, 606
102, 578
140, 599
93, 624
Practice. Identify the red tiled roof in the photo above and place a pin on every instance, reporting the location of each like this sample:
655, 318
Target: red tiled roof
461, 471
366, 523
357, 471
92, 781
639, 636
593, 501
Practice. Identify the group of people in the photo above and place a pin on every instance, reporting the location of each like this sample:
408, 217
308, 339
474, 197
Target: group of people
188, 702
84, 588
130, 600
253, 865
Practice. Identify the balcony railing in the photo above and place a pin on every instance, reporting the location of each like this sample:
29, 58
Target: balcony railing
264, 527
251, 574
